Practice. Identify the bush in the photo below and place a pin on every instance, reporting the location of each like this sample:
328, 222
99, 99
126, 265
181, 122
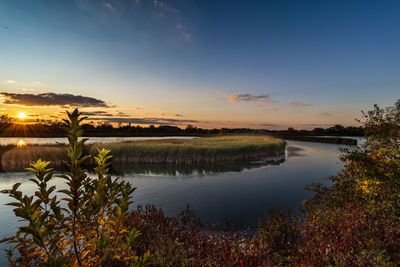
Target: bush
87, 226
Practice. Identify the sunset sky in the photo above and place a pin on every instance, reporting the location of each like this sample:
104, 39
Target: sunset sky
257, 64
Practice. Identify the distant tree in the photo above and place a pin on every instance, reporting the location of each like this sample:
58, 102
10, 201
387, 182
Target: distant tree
291, 130
189, 128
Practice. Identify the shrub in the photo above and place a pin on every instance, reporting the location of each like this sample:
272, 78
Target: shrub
87, 226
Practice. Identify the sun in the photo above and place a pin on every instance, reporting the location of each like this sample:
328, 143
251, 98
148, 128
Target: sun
21, 115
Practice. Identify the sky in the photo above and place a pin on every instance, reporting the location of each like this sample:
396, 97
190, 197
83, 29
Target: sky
269, 64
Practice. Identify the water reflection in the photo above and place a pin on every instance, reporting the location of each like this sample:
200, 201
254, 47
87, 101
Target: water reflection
193, 170
295, 151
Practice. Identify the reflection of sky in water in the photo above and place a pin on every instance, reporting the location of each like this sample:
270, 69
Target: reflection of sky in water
245, 195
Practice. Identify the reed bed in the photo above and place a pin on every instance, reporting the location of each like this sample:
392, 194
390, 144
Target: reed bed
194, 151
19, 158
182, 151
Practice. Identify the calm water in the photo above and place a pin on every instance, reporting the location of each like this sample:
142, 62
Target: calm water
63, 140
242, 193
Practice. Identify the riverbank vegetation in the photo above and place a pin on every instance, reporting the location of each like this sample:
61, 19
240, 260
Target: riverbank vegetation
204, 150
353, 222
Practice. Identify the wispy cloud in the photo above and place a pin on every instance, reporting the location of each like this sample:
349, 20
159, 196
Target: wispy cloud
108, 5
11, 81
299, 104
97, 113
122, 114
165, 9
247, 98
166, 13
326, 114
173, 15
37, 83
52, 99
28, 89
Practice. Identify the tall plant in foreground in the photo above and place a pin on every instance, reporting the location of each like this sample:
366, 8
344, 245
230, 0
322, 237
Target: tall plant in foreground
87, 226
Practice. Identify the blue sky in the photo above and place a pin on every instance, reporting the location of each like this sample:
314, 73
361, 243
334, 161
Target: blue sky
254, 64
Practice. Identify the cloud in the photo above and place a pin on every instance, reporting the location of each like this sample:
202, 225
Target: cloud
326, 114
156, 121
122, 114
299, 104
108, 6
172, 15
5, 27
28, 89
11, 81
52, 99
165, 9
37, 83
248, 98
178, 115
97, 113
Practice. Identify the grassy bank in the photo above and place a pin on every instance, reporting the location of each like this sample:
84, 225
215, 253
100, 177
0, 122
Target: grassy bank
193, 151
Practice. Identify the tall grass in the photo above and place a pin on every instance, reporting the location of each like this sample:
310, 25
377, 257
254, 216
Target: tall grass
19, 158
178, 151
199, 150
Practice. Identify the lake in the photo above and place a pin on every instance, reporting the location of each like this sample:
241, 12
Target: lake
242, 193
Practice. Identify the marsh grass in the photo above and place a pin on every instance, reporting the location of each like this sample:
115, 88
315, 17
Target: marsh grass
207, 150
19, 158
199, 150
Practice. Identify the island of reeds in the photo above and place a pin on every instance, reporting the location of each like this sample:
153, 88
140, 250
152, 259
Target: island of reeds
205, 150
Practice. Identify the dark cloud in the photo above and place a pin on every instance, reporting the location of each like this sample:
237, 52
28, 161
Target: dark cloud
5, 27
248, 98
299, 104
122, 114
97, 113
156, 121
52, 99
326, 114
178, 115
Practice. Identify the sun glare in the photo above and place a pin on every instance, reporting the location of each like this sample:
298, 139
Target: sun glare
21, 115
21, 143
